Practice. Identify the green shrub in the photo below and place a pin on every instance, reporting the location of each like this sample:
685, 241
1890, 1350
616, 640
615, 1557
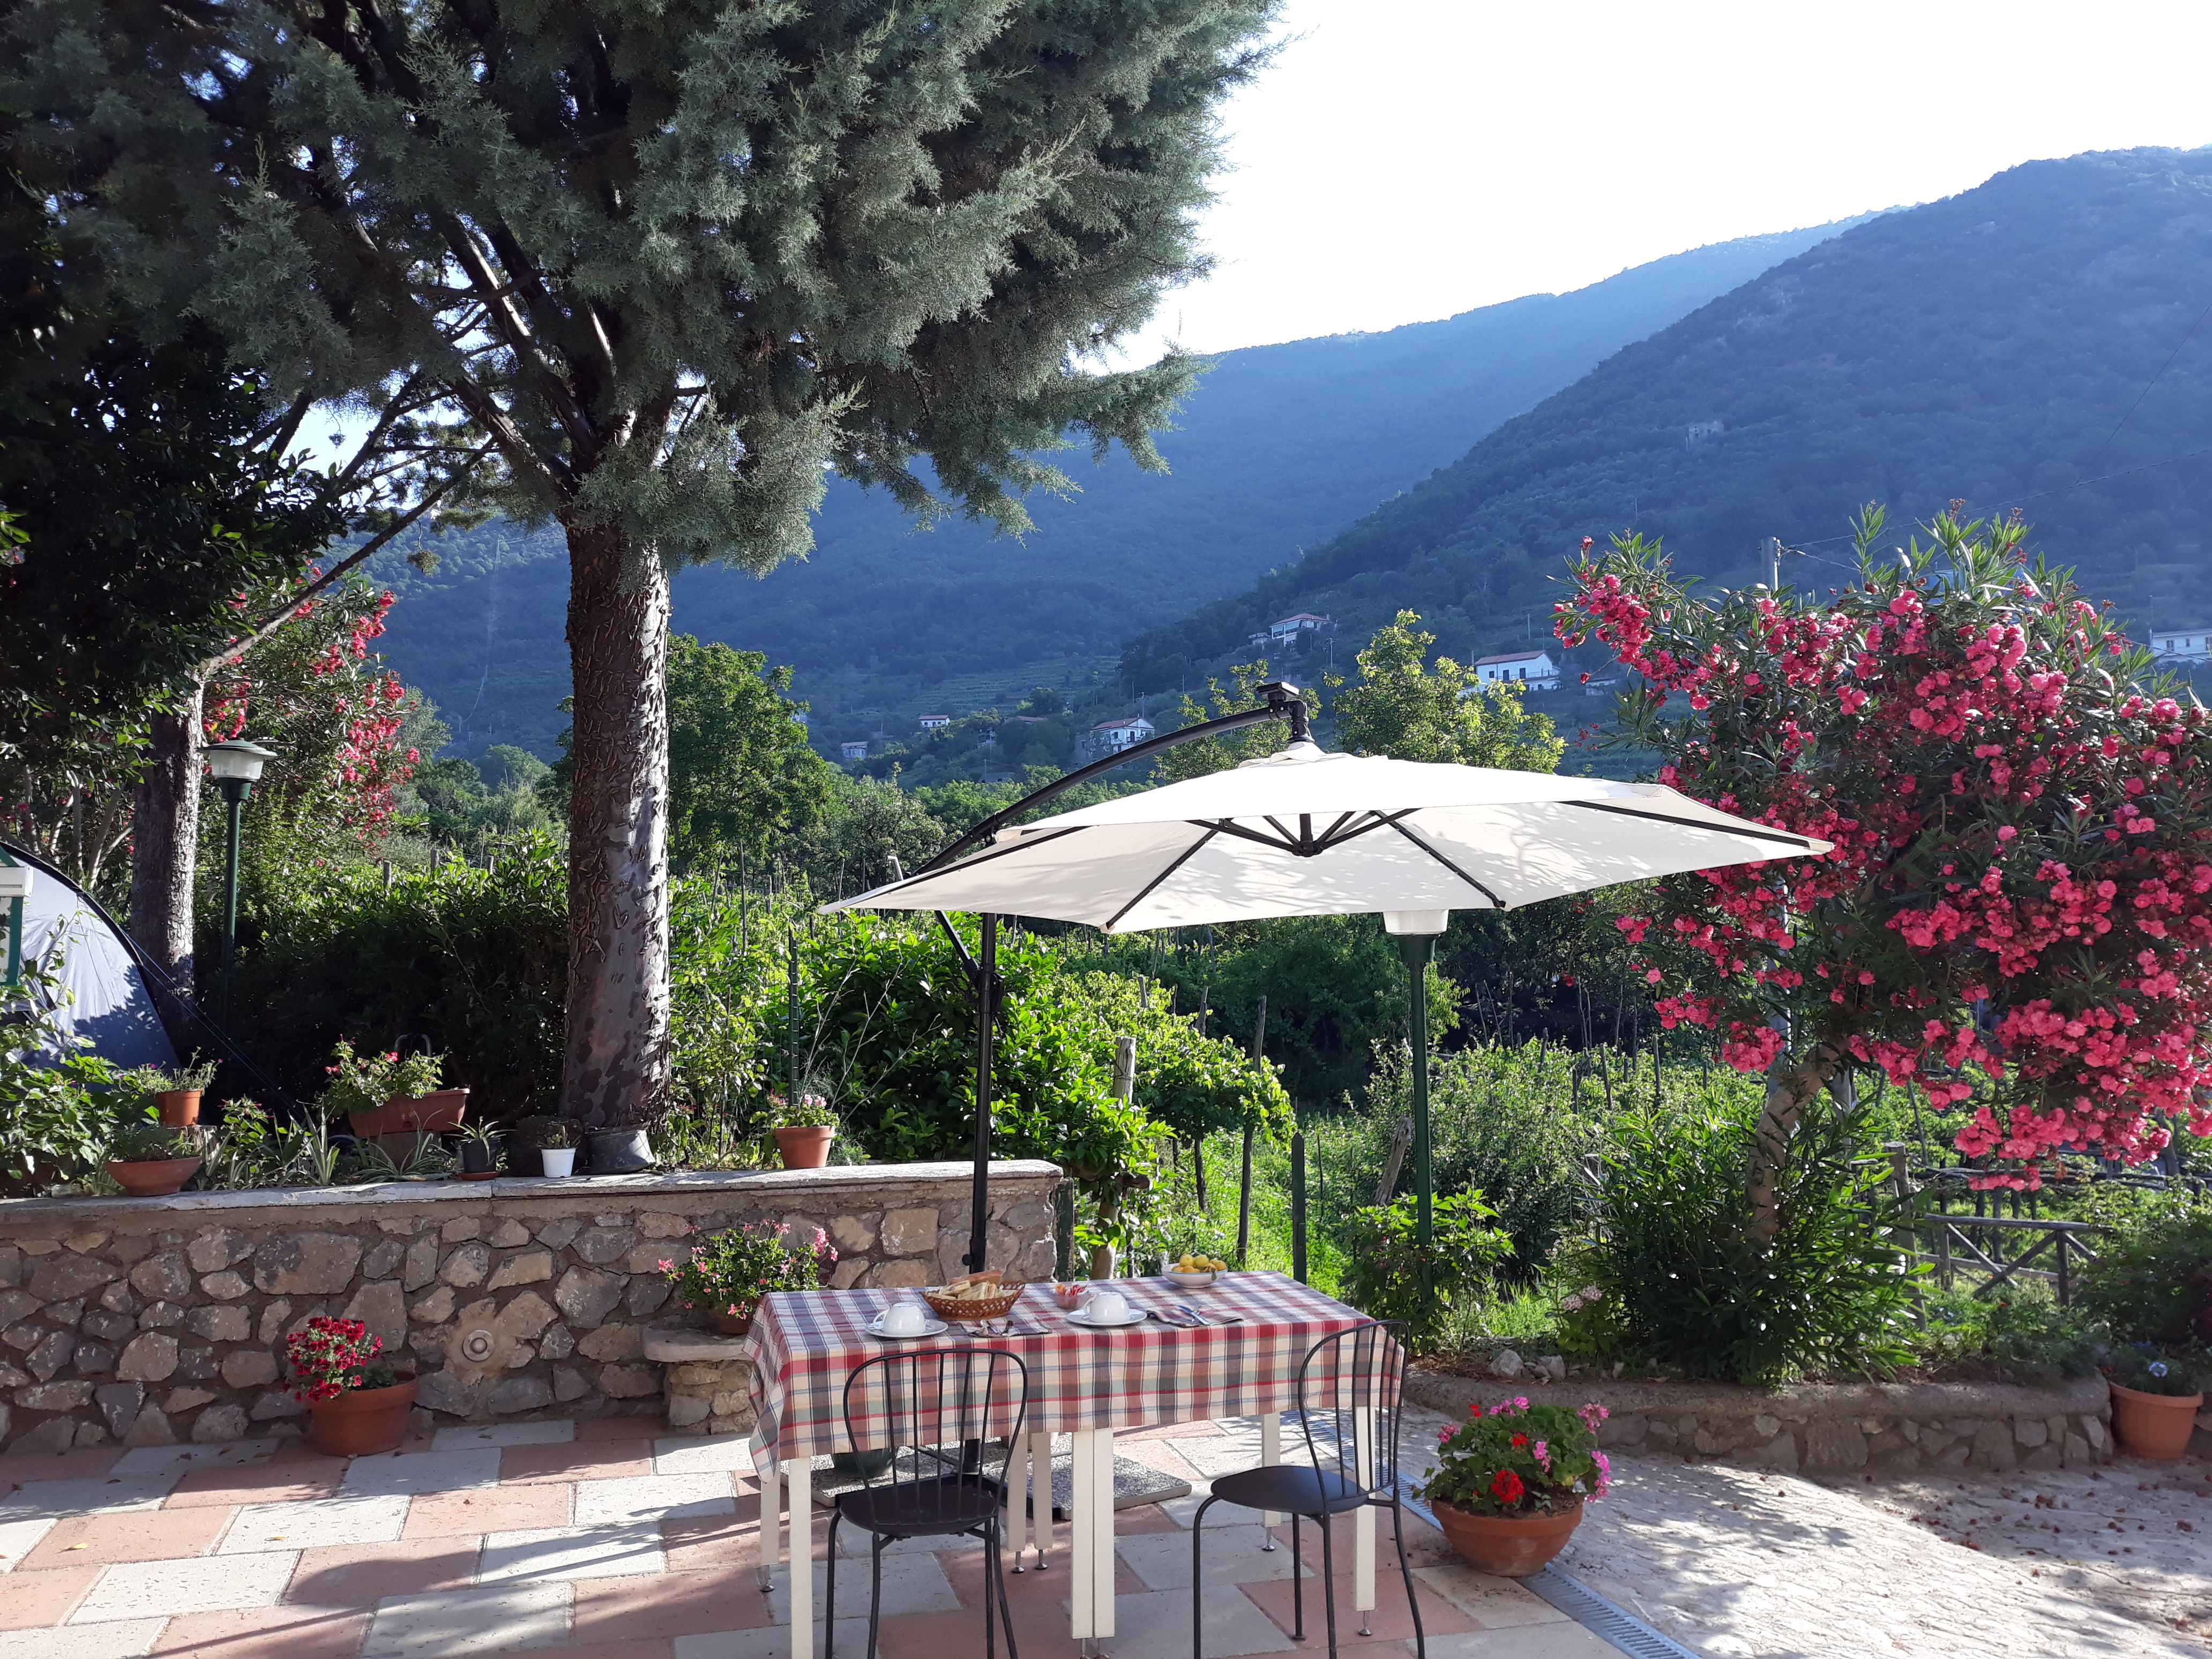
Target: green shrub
1382, 1263
1693, 1290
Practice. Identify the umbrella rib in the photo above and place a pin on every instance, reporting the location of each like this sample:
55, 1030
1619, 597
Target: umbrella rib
1181, 858
1799, 842
1447, 863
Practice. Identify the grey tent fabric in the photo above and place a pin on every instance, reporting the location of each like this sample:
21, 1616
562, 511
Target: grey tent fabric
109, 1001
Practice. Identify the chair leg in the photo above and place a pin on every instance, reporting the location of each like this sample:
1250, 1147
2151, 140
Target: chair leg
829, 1597
1329, 1577
1297, 1587
1405, 1571
1198, 1581
875, 1591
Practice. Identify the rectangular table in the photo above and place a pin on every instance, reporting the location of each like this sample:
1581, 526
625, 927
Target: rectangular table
1083, 1383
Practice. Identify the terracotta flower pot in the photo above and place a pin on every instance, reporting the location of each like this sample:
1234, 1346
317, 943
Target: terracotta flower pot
806, 1147
1508, 1546
432, 1113
180, 1108
151, 1178
2153, 1425
361, 1421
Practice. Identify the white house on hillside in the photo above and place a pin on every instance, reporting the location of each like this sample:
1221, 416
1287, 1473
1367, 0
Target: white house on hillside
2190, 644
1533, 669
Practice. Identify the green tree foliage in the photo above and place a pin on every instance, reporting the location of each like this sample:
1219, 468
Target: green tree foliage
741, 774
739, 246
1401, 706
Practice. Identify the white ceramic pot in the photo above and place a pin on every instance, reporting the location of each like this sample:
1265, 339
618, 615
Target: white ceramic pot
559, 1160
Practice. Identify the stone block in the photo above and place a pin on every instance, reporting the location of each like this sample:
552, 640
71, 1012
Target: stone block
277, 1403
586, 1296
630, 1382
467, 1265
220, 1324
93, 1359
164, 1278
558, 1233
435, 1309
272, 1320
223, 1286
216, 1247
150, 1358
383, 1308
54, 1396
2030, 1432
1993, 1448
613, 1342
151, 1427
528, 1268
307, 1264
569, 1383
659, 1224
421, 1266
519, 1393
459, 1228
249, 1368
910, 1232
890, 1275
509, 1235
442, 1391
219, 1423
58, 1278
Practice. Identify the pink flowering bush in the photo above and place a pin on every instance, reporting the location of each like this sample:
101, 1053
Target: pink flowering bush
1519, 1459
728, 1272
2016, 916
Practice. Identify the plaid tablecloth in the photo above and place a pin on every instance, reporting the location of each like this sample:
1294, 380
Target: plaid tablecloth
804, 1344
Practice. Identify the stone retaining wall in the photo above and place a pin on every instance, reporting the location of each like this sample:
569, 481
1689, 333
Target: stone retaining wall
154, 1320
1886, 1429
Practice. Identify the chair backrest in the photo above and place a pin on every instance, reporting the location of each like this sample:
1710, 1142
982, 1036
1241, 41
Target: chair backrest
1349, 1390
940, 1412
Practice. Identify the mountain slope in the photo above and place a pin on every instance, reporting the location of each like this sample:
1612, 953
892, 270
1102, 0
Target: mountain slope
1990, 347
1279, 447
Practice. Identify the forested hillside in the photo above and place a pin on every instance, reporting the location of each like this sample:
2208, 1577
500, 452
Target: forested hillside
1280, 447
1991, 347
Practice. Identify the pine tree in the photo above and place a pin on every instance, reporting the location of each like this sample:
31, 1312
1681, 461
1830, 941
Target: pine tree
674, 262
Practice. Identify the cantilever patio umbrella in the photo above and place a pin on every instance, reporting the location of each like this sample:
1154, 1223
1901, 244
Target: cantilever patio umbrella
1306, 833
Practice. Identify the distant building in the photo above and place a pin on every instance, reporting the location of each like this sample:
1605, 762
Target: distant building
1533, 669
1291, 630
2190, 644
935, 722
1112, 736
857, 749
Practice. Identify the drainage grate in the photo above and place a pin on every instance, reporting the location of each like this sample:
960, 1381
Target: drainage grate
1586, 1607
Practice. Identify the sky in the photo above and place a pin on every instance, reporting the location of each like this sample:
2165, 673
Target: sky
1407, 160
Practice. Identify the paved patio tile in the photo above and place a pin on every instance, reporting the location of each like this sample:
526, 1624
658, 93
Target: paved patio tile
142, 1589
487, 1509
405, 1472
96, 1540
698, 1454
648, 1497
552, 1552
274, 1481
267, 1633
159, 1459
124, 1639
667, 1605
19, 1538
81, 1495
61, 1465
361, 1574
1391, 1619
1233, 1556
578, 1460
31, 1601
559, 1432
1493, 1603
497, 1618
313, 1524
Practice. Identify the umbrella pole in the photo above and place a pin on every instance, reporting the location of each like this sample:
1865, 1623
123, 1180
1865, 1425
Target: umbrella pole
987, 974
1418, 950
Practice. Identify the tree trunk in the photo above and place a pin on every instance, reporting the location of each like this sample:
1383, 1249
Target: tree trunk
1789, 1091
616, 1067
164, 840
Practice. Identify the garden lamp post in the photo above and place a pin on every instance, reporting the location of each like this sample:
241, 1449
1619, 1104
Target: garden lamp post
14, 887
1416, 931
235, 764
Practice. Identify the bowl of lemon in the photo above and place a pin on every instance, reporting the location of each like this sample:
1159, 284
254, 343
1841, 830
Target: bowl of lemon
1196, 1272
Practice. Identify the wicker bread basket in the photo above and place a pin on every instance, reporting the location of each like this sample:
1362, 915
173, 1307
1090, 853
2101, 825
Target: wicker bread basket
968, 1309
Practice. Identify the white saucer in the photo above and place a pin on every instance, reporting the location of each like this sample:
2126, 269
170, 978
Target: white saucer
1137, 1317
929, 1327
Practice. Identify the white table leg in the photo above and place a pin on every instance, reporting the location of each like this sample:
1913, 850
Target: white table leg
1092, 1515
798, 1476
1271, 1453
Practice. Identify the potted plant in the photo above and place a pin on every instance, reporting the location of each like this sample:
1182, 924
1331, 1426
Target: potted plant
479, 1153
174, 1090
355, 1408
557, 1149
803, 1131
152, 1160
728, 1272
2155, 1397
1509, 1484
386, 1095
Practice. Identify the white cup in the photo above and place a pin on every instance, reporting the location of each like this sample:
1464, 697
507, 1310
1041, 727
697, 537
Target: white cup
1107, 1307
903, 1319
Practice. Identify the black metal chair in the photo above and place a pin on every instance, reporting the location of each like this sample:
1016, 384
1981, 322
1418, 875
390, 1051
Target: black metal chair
976, 1399
1348, 1405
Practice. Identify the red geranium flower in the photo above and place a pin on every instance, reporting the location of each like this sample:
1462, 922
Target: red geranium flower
1505, 1486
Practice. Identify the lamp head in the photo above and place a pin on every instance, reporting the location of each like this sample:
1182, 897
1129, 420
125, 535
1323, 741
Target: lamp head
237, 760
